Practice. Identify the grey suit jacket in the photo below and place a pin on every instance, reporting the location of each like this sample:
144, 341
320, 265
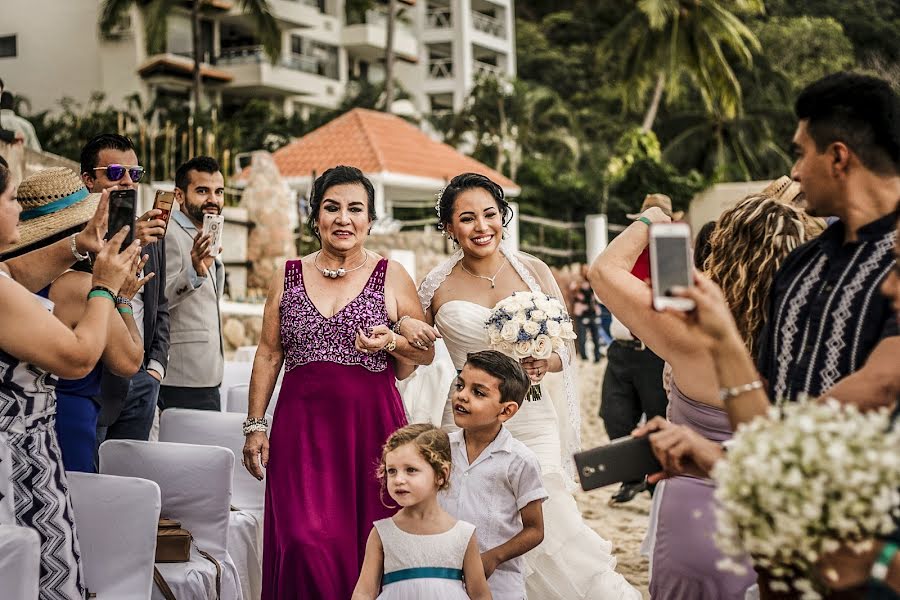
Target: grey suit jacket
196, 352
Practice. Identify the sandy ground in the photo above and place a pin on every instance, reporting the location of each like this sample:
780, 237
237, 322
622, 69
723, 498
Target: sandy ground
623, 524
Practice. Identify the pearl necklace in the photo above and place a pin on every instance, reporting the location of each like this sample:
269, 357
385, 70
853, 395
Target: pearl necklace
335, 273
491, 279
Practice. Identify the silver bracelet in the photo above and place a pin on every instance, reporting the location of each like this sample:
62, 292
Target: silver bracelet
396, 327
253, 424
75, 253
728, 393
125, 301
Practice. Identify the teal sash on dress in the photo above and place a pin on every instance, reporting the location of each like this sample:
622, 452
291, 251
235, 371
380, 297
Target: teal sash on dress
422, 573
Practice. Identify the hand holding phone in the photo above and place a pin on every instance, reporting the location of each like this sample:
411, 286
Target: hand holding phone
163, 202
625, 459
670, 264
122, 213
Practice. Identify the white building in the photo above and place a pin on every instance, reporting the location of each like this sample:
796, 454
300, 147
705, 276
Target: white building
50, 49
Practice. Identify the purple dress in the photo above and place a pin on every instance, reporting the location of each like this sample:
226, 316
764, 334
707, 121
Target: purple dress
336, 409
685, 554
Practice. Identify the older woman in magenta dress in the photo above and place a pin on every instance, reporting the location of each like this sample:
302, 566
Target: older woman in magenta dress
328, 321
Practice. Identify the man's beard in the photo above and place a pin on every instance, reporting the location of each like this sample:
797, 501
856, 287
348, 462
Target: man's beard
196, 212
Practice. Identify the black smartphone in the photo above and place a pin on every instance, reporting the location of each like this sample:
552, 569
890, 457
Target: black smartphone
122, 213
624, 459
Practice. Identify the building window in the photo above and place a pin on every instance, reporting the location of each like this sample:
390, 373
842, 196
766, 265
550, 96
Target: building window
8, 46
313, 57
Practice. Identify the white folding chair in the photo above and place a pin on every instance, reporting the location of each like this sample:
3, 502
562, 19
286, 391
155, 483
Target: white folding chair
20, 562
238, 399
195, 487
245, 529
116, 520
235, 373
244, 354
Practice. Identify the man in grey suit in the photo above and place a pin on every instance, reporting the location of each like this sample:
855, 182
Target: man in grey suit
194, 282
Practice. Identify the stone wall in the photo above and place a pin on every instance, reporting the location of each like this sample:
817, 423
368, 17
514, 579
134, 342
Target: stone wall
430, 248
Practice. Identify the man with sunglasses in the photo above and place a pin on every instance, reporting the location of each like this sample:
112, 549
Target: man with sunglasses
128, 406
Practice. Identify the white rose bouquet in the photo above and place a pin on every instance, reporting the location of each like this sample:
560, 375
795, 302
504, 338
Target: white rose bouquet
527, 324
801, 483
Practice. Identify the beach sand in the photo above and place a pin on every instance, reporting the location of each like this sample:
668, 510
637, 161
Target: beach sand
623, 524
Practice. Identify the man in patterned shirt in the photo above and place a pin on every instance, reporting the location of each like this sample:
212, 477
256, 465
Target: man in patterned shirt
828, 330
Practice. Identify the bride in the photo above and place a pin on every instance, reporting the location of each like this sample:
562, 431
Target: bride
572, 562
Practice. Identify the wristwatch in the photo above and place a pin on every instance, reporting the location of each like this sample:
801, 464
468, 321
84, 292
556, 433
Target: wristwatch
882, 564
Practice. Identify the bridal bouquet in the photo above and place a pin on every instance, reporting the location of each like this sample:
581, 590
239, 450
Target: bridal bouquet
526, 325
801, 483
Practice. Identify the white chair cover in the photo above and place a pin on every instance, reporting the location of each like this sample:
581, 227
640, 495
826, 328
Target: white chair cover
20, 562
235, 373
116, 520
195, 486
244, 354
237, 400
245, 530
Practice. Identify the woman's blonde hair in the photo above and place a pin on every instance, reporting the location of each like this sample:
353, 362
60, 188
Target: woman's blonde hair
433, 444
750, 242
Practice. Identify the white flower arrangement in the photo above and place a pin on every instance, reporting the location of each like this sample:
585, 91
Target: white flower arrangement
802, 482
527, 324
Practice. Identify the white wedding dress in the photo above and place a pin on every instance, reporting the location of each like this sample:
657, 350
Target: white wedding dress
573, 562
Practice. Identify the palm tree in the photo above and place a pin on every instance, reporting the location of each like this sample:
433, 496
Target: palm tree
661, 40
155, 16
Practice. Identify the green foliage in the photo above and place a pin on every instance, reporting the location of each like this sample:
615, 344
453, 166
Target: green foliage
808, 48
647, 176
65, 131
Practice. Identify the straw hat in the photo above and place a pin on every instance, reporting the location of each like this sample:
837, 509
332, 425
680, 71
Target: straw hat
52, 201
660, 201
786, 190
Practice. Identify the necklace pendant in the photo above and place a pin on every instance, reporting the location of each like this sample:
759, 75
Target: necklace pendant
492, 285
341, 272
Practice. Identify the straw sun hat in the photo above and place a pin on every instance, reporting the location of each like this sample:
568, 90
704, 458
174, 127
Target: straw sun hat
660, 201
52, 201
785, 189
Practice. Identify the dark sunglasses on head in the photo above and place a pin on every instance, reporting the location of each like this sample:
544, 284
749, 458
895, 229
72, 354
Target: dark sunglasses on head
115, 172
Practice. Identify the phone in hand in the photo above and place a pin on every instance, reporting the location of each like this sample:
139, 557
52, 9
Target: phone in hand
163, 202
625, 459
670, 264
122, 213
212, 226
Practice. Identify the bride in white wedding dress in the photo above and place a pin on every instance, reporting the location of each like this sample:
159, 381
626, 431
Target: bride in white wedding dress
572, 562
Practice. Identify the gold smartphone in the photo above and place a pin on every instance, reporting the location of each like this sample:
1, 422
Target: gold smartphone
164, 201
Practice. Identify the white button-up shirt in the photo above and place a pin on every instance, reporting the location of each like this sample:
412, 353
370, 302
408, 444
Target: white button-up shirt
489, 493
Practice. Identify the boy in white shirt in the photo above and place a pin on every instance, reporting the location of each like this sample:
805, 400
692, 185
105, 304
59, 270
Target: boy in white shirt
495, 482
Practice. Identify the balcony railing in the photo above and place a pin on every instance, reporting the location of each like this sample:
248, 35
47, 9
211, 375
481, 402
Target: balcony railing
439, 18
440, 68
483, 68
290, 60
489, 25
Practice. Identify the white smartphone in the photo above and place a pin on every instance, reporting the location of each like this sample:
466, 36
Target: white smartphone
212, 226
670, 264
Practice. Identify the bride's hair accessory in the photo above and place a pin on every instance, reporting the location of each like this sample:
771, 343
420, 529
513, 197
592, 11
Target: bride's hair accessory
446, 197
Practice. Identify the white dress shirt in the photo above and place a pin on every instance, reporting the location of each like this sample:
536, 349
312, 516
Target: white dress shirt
489, 493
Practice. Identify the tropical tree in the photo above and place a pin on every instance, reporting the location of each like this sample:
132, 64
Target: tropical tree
661, 41
156, 13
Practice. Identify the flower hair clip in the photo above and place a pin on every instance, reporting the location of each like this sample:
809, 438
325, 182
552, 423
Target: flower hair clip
437, 209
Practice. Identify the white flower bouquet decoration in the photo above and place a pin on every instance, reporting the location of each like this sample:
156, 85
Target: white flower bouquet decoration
526, 325
802, 482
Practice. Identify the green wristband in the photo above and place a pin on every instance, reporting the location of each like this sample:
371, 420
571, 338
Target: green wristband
125, 310
101, 294
645, 221
883, 563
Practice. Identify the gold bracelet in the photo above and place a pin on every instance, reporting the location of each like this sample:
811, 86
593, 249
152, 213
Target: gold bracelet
728, 393
392, 345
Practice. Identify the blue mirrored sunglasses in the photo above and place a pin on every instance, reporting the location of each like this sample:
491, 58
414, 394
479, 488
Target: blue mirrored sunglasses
115, 172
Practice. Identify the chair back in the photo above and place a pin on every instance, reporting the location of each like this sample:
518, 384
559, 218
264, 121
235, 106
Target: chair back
194, 483
20, 562
209, 428
116, 520
235, 373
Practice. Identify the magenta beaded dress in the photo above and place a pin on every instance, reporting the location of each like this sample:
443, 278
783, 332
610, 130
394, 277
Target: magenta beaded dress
336, 409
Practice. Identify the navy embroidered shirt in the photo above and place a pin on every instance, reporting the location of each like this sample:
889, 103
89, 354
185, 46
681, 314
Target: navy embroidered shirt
826, 312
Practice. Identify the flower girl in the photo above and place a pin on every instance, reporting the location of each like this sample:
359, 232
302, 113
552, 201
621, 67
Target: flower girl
421, 552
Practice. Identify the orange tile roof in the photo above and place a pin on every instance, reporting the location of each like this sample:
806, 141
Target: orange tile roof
376, 142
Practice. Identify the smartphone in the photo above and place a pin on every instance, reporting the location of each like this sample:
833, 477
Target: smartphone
670, 264
625, 459
163, 202
122, 213
212, 226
